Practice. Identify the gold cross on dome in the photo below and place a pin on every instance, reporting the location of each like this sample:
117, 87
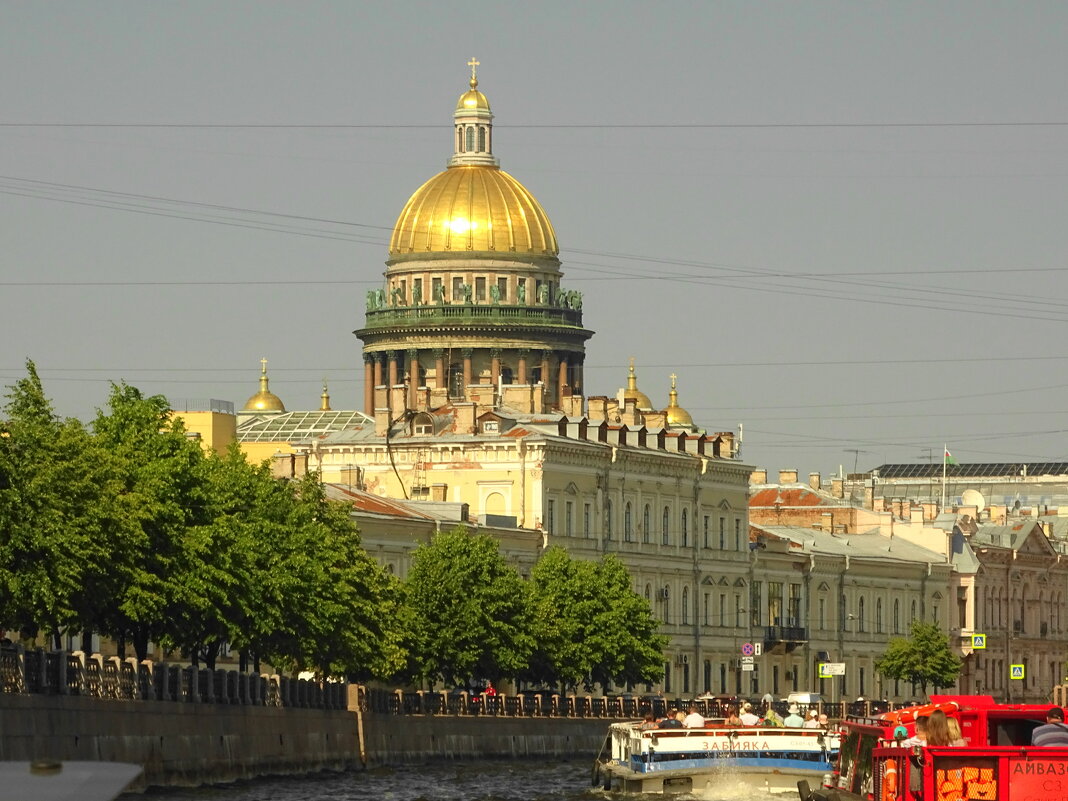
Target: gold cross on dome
263, 361
673, 377
472, 64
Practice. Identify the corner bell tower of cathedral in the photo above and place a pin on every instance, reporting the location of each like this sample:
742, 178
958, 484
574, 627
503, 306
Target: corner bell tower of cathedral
472, 307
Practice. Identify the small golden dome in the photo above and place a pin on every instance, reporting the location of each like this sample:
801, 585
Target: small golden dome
472, 99
641, 400
473, 208
264, 400
676, 415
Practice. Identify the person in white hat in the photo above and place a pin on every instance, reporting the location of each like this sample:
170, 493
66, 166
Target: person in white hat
747, 716
793, 718
811, 722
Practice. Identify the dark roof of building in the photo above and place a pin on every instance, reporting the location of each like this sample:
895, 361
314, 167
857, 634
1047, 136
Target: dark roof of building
975, 470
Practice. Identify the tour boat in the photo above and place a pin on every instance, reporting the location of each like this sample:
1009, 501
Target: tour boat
637, 760
996, 763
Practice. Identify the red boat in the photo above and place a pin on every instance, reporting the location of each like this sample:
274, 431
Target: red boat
998, 762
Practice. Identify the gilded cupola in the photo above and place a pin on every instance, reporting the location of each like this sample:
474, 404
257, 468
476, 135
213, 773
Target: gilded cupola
264, 400
676, 415
474, 205
641, 400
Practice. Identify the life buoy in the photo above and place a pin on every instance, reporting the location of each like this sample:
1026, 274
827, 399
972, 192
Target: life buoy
911, 713
889, 789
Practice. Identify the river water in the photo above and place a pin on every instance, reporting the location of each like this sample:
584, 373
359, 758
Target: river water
457, 781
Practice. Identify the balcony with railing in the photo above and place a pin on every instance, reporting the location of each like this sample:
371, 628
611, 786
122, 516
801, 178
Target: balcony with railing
784, 639
466, 313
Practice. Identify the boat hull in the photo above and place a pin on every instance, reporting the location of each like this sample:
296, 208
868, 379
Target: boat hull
774, 776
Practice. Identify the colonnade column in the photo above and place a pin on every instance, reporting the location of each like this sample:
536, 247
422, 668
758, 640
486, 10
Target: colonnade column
413, 377
495, 368
521, 378
393, 373
545, 354
369, 384
467, 369
378, 370
439, 369
561, 382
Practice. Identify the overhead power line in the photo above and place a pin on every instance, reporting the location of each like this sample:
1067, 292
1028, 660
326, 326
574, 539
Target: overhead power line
545, 125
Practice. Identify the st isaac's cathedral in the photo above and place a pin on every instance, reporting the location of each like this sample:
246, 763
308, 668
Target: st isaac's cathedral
474, 395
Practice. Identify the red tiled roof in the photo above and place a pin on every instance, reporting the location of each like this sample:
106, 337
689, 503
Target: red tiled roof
782, 496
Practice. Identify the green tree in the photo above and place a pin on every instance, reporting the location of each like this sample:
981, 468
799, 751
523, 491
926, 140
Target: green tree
55, 561
924, 658
468, 611
590, 626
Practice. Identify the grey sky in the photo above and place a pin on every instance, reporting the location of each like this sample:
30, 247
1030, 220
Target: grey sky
850, 287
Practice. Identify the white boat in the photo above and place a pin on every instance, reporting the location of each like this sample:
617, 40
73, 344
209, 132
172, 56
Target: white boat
634, 760
47, 780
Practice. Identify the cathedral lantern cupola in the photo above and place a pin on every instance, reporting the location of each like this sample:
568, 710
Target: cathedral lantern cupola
473, 126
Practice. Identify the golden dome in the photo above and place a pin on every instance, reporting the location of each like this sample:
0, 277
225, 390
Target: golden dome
472, 99
473, 208
264, 400
676, 415
641, 400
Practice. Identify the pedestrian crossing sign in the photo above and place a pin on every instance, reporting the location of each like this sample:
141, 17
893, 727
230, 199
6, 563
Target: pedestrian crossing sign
1016, 671
978, 641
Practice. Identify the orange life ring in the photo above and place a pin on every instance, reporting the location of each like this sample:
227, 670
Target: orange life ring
889, 789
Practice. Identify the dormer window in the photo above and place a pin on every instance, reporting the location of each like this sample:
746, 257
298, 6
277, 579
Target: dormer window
423, 425
491, 427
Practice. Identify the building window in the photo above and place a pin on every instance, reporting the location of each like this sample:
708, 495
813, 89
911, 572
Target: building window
823, 612
628, 525
913, 611
458, 289
417, 290
708, 609
586, 520
491, 427
502, 289
723, 609
685, 529
568, 509
878, 615
739, 621
685, 605
550, 516
842, 612
756, 590
775, 603
648, 593
860, 615
646, 533
897, 617
470, 137
480, 289
482, 138
708, 542
793, 610
665, 536
435, 284
723, 533
608, 518
737, 535
423, 426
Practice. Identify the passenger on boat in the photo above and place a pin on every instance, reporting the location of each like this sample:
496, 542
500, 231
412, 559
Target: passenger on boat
747, 716
732, 718
938, 729
823, 721
648, 723
793, 718
771, 718
1053, 732
956, 737
920, 737
810, 721
672, 721
694, 720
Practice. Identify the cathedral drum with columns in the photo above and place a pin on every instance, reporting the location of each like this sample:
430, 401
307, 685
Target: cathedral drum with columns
473, 299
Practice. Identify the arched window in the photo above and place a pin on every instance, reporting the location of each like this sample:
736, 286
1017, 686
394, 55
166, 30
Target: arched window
646, 533
628, 525
608, 518
842, 612
470, 137
912, 615
482, 139
860, 615
685, 529
648, 593
897, 616
665, 536
459, 139
878, 615
685, 605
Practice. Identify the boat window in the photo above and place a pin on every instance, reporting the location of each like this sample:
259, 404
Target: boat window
1011, 732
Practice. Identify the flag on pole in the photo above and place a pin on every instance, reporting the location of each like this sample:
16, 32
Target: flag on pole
949, 458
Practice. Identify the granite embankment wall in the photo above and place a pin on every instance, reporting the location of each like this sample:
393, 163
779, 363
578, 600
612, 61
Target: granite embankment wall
415, 739
192, 744
179, 744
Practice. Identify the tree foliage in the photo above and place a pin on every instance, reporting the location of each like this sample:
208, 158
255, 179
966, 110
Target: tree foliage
924, 658
468, 611
590, 626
